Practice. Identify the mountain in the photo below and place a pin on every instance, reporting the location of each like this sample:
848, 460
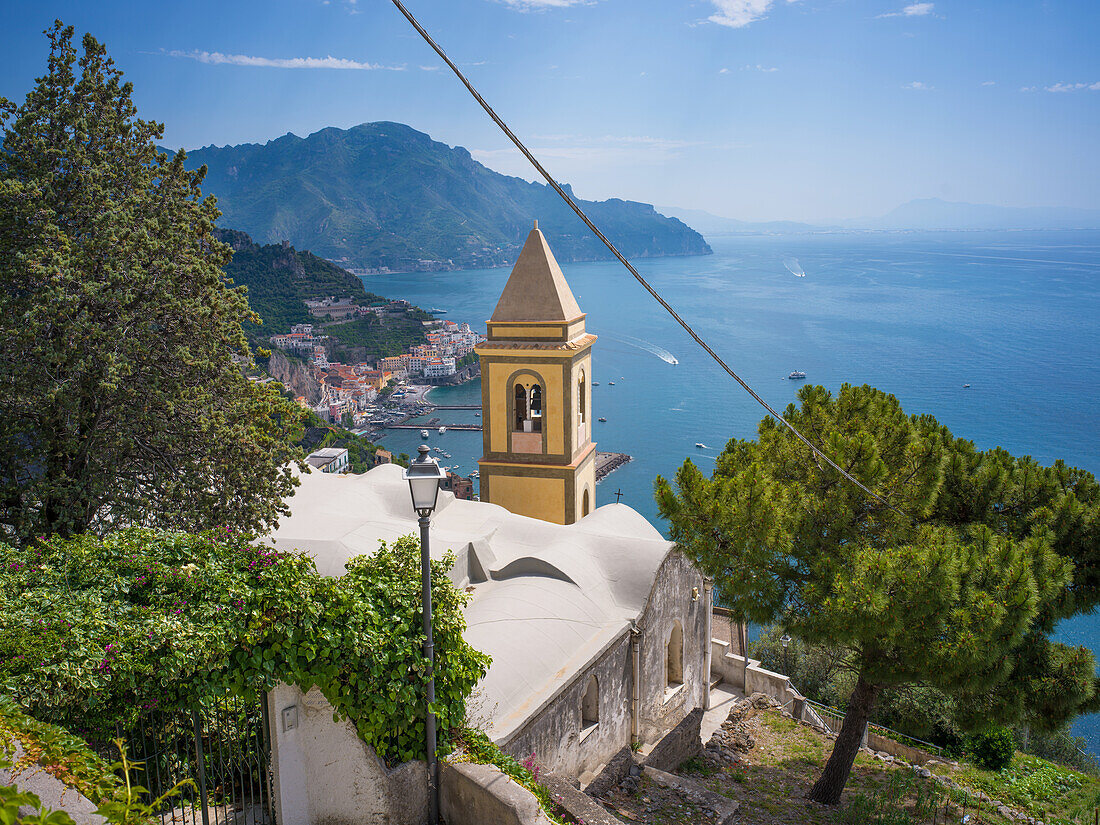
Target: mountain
933, 213
383, 195
710, 224
279, 280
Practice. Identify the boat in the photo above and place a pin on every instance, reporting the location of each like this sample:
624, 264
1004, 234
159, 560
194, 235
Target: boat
423, 433
442, 430
700, 445
966, 386
797, 375
595, 383
478, 415
437, 311
604, 420
611, 383
475, 474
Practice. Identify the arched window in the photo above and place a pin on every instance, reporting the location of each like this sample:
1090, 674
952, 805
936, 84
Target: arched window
590, 704
586, 504
536, 409
581, 398
674, 657
521, 406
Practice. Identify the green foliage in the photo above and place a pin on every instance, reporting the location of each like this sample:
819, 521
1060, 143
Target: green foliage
127, 807
479, 749
819, 672
955, 584
383, 194
992, 749
122, 403
99, 631
63, 755
1043, 789
889, 802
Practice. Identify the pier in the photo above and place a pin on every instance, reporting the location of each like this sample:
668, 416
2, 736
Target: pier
607, 463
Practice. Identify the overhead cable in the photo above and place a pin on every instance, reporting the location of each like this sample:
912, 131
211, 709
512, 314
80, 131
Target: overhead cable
622, 259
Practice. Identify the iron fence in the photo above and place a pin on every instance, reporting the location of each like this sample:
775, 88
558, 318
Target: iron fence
222, 745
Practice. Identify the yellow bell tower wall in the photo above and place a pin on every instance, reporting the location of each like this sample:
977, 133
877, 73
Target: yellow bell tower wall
536, 371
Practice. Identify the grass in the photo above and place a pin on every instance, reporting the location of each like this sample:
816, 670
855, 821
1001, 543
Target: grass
1045, 790
775, 775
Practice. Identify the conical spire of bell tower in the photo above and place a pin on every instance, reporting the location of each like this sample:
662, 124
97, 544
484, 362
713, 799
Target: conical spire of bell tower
536, 289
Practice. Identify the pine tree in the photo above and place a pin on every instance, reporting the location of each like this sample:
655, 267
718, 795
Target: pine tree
956, 584
122, 399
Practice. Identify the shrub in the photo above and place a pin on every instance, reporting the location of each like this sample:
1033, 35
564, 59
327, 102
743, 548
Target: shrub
993, 749
99, 631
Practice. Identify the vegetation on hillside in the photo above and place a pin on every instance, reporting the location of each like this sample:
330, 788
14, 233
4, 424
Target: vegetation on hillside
122, 401
956, 582
386, 195
280, 279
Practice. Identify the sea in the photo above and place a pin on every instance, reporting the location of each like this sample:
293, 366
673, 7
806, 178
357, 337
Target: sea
996, 334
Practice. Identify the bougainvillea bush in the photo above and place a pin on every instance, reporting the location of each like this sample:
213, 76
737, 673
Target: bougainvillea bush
97, 632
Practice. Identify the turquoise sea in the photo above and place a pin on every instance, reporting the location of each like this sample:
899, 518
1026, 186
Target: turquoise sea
1014, 314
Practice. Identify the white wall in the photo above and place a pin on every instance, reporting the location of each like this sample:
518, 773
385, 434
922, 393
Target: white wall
324, 774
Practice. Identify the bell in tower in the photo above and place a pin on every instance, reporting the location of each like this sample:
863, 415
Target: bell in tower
538, 457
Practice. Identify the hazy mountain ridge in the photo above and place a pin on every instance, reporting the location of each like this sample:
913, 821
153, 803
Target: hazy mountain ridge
385, 195
917, 214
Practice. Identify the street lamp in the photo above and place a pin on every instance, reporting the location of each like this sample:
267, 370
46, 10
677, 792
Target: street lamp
424, 476
786, 640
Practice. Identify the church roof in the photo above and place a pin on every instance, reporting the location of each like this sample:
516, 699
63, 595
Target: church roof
564, 592
536, 289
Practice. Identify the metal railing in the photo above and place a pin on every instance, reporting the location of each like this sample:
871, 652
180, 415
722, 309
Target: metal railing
223, 746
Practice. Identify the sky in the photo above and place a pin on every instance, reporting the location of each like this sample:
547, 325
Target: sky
751, 109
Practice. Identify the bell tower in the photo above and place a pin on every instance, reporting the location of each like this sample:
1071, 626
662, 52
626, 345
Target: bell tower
536, 365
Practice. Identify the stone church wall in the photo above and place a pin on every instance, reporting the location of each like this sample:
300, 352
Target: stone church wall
678, 595
554, 735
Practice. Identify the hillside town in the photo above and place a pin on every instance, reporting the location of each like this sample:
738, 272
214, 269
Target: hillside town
349, 391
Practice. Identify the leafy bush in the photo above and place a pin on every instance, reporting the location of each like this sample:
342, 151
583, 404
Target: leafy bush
100, 631
901, 800
993, 749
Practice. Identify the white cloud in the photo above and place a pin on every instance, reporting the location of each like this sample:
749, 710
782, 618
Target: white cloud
912, 10
1074, 87
989, 82
723, 71
917, 84
758, 68
1029, 88
429, 68
542, 5
737, 14
329, 62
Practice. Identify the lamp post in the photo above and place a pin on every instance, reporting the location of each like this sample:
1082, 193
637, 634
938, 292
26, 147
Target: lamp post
786, 640
424, 475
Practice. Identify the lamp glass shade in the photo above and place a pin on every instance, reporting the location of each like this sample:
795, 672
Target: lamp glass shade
784, 640
424, 475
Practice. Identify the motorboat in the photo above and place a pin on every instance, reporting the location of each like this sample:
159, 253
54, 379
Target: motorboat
700, 445
796, 375
442, 430
604, 420
423, 433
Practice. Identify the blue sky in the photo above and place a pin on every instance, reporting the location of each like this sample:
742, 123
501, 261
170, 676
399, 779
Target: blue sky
754, 109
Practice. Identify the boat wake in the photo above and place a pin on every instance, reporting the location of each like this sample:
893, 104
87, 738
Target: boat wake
646, 346
794, 267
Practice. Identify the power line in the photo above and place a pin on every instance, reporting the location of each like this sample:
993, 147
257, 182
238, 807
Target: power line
614, 251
